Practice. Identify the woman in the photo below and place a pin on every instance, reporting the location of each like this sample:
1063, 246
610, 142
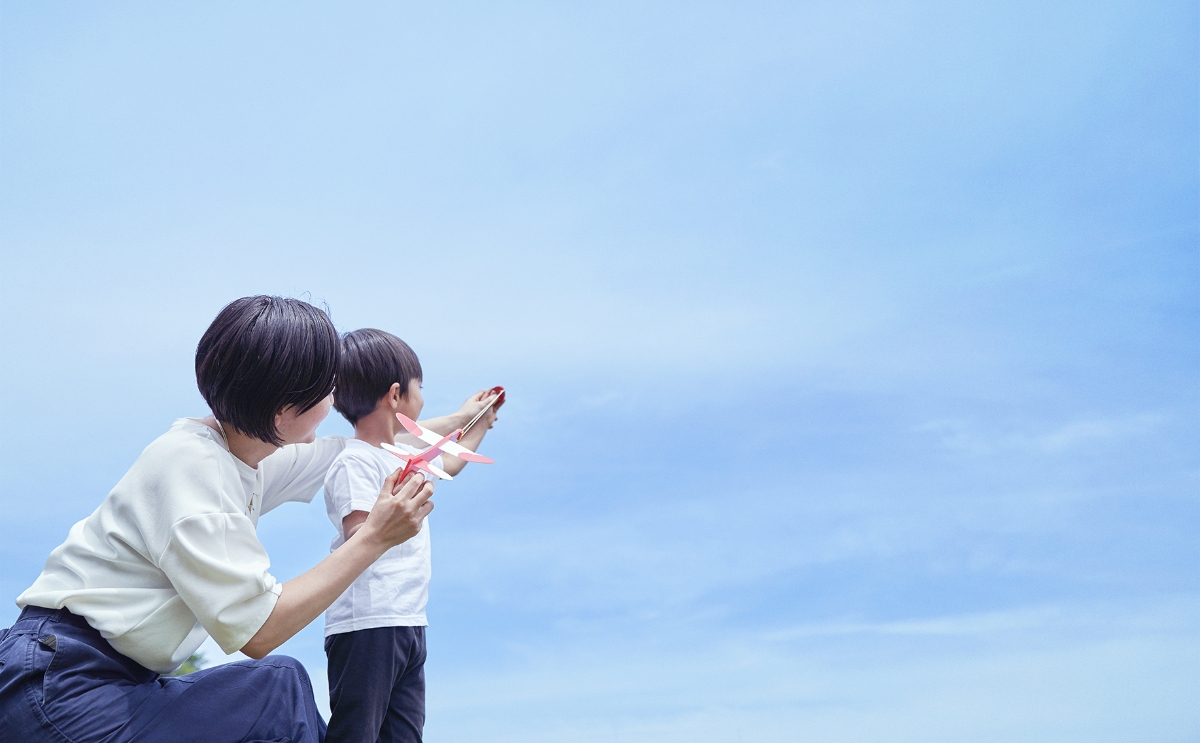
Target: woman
171, 557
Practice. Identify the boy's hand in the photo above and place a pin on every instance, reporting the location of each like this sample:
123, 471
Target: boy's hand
445, 424
486, 421
477, 402
472, 438
399, 511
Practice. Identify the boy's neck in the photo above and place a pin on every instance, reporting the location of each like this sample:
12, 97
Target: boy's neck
378, 427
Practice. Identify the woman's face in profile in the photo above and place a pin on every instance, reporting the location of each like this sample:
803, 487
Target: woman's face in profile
301, 428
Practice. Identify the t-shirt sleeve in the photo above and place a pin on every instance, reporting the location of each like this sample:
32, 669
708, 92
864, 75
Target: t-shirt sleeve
219, 568
296, 471
353, 485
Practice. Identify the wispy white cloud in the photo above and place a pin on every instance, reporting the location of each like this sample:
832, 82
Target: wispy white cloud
968, 625
1090, 433
909, 681
1176, 615
1101, 431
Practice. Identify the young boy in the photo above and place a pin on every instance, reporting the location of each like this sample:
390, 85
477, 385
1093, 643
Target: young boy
375, 631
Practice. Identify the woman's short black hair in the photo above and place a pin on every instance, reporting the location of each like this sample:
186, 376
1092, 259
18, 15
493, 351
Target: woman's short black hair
372, 361
261, 355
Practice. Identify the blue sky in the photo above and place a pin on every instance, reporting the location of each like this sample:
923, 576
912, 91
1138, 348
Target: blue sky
851, 347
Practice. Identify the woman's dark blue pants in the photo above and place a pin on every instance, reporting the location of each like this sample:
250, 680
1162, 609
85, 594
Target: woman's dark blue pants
61, 681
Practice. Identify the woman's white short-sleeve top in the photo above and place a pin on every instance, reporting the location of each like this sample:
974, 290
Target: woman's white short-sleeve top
171, 556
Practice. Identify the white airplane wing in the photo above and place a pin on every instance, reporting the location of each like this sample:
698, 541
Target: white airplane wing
449, 447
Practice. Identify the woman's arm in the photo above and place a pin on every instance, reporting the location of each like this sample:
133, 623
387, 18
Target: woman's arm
395, 518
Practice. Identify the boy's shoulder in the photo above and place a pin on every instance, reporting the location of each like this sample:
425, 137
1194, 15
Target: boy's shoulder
361, 466
356, 449
361, 451
362, 459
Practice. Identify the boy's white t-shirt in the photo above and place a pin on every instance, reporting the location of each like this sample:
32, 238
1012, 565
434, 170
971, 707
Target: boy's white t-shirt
393, 591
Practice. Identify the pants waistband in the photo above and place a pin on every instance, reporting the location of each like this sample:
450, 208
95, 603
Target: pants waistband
33, 617
39, 621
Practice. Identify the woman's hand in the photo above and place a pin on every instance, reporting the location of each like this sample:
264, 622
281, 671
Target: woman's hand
398, 512
396, 517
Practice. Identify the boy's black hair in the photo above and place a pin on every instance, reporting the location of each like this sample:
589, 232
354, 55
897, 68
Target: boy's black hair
262, 354
372, 361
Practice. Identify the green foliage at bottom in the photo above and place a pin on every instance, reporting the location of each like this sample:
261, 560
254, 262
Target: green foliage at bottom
194, 663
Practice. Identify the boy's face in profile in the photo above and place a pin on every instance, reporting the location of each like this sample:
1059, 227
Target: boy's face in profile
412, 401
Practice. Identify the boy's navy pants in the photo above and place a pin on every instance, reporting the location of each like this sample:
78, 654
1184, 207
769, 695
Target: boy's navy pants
376, 685
61, 681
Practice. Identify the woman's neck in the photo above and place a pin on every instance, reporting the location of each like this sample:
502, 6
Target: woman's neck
246, 448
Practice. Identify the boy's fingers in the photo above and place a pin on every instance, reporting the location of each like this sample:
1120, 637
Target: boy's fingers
425, 508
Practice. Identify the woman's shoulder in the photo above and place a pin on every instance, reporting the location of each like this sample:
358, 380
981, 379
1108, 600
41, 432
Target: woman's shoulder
187, 445
188, 460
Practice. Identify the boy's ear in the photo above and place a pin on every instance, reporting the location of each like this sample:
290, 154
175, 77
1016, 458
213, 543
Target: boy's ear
395, 394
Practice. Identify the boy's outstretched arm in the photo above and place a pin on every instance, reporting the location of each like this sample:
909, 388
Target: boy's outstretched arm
470, 440
446, 423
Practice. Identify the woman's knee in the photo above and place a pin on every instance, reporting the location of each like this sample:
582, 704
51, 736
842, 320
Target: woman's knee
273, 671
288, 663
283, 668
283, 661
276, 681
